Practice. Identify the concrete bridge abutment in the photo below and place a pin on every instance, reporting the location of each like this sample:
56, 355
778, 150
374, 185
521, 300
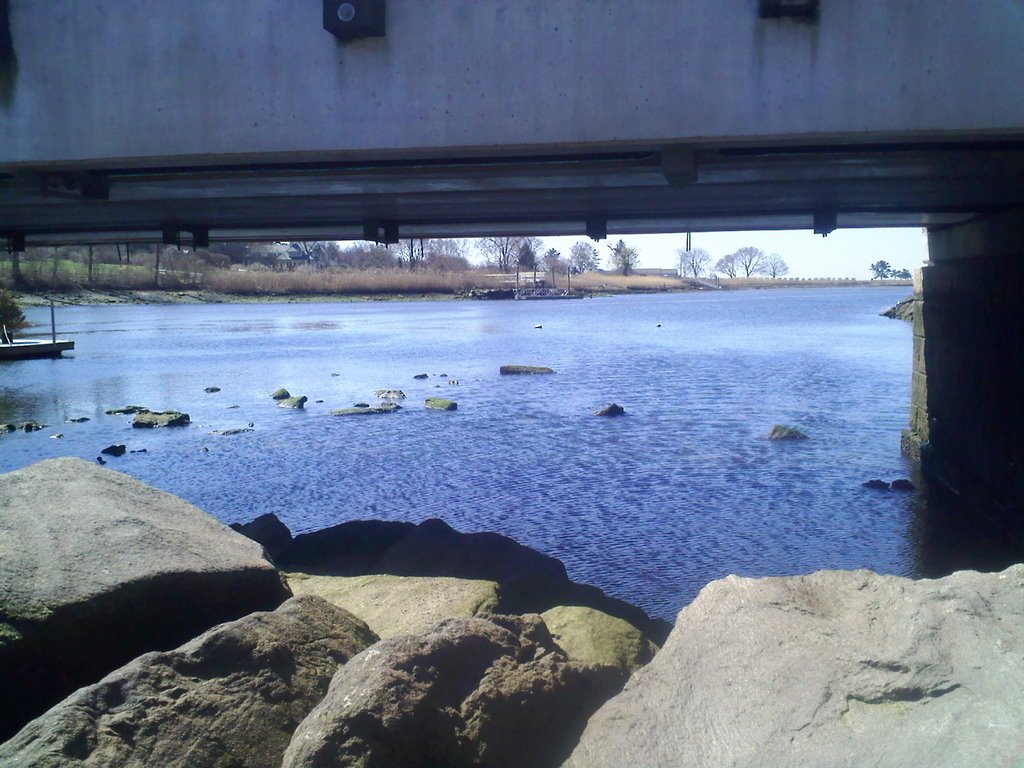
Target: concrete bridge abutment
967, 413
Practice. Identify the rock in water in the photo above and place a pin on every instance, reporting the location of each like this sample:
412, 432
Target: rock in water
512, 370
115, 450
490, 691
232, 696
97, 568
434, 548
280, 394
348, 548
149, 419
390, 394
269, 531
782, 432
293, 402
614, 409
834, 668
441, 404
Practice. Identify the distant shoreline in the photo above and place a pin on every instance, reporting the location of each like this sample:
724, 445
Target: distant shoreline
615, 286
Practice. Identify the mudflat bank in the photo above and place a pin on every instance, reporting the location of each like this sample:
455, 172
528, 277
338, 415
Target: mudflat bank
402, 644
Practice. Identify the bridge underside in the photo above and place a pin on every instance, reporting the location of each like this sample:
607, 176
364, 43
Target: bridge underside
632, 189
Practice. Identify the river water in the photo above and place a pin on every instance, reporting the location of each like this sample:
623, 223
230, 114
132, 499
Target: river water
683, 489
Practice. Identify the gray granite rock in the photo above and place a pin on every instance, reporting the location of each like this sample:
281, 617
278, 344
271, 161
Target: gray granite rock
400, 605
232, 696
488, 691
97, 568
833, 668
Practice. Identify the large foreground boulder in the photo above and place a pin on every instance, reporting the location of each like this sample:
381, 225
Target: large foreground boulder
400, 605
489, 691
834, 668
97, 568
231, 697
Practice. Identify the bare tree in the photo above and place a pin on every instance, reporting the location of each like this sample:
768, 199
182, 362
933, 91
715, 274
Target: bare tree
623, 257
693, 263
446, 254
727, 264
583, 257
775, 267
750, 260
500, 251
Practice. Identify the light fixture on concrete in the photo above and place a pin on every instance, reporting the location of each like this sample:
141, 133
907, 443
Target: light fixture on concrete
825, 221
353, 19
597, 227
806, 10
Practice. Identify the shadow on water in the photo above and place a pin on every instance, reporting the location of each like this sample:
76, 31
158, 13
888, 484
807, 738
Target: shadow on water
948, 535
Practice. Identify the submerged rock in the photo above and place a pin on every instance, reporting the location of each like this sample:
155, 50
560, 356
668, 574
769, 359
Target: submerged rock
390, 394
366, 410
232, 431
115, 450
902, 484
441, 404
486, 691
97, 568
78, 420
878, 485
128, 410
293, 402
833, 668
152, 419
211, 390
614, 409
32, 426
232, 696
422, 376
511, 370
782, 432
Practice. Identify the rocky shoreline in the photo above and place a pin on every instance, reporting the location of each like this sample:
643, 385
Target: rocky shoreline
135, 630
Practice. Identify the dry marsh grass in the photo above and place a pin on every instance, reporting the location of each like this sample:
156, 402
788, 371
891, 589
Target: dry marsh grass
343, 281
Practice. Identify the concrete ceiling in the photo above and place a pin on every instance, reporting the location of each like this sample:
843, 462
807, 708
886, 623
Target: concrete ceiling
622, 190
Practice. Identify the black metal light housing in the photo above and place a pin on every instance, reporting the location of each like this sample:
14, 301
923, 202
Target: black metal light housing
788, 9
353, 19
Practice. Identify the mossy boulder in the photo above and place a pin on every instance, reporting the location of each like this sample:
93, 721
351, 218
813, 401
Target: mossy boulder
514, 370
127, 410
152, 419
782, 432
441, 404
293, 402
280, 394
593, 637
367, 410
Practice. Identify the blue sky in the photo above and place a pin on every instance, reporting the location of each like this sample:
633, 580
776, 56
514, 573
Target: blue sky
844, 253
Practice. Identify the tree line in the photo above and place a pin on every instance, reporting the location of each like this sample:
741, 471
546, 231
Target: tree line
174, 266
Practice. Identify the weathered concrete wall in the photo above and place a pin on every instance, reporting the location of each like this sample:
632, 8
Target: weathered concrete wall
129, 81
974, 354
917, 434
